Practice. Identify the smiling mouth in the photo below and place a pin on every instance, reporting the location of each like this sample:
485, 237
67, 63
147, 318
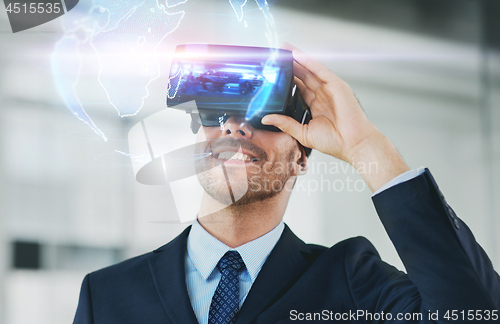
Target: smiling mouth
236, 156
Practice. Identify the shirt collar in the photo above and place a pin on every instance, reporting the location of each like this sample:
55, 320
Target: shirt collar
205, 251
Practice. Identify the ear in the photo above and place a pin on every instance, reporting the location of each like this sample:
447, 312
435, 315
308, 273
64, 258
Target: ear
299, 161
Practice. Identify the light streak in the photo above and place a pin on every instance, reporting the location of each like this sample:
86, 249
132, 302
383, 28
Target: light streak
179, 2
239, 11
260, 99
179, 74
143, 158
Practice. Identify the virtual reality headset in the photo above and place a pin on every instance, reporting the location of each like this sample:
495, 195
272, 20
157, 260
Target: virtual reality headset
226, 81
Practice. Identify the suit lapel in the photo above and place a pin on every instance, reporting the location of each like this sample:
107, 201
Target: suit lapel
280, 271
169, 275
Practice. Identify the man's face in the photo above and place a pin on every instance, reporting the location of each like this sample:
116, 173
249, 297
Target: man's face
256, 164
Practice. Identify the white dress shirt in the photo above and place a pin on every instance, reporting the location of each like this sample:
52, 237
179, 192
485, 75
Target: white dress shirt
204, 252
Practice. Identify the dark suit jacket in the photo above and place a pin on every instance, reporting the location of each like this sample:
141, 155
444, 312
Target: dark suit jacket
447, 270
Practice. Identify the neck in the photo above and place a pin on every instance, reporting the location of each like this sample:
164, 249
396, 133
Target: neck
236, 225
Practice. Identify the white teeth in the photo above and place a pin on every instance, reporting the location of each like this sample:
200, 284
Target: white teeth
235, 156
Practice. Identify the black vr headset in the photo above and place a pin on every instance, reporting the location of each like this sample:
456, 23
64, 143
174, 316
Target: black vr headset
226, 81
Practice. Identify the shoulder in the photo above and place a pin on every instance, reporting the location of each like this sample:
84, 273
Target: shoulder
366, 274
359, 256
137, 270
356, 258
131, 277
129, 267
346, 257
350, 249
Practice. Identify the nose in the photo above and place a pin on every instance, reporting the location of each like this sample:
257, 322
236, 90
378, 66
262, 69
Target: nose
237, 127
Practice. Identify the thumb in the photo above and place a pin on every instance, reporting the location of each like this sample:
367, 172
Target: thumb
286, 124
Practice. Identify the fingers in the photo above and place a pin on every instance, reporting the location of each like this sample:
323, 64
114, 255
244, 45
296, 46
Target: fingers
286, 124
288, 46
307, 94
320, 71
317, 68
307, 77
302, 72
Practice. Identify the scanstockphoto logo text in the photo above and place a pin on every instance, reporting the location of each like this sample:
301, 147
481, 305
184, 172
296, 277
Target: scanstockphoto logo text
332, 176
335, 176
28, 14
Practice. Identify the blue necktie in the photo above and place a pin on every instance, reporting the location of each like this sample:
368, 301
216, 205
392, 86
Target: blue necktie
225, 302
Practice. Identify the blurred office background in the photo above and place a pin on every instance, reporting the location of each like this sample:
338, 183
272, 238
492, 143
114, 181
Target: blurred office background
427, 73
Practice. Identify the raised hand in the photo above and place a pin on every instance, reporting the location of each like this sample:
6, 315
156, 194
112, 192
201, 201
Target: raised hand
339, 126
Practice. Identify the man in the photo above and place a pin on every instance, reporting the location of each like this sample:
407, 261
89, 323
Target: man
241, 264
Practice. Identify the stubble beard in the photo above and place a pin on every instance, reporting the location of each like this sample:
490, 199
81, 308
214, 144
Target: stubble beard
263, 179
